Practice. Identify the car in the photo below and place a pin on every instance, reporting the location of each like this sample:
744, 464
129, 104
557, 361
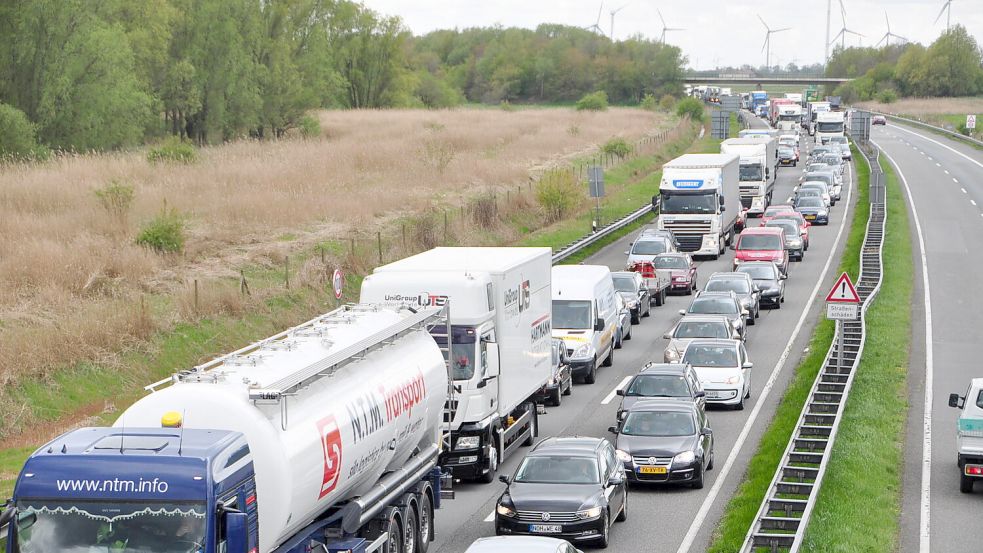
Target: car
774, 210
682, 270
740, 284
813, 209
520, 544
833, 181
573, 488
763, 244
560, 382
769, 279
793, 238
623, 331
818, 152
719, 303
817, 186
631, 287
969, 454
816, 166
724, 370
661, 381
646, 247
664, 441
692, 327
844, 145
810, 193
662, 233
804, 225
878, 120
835, 161
786, 156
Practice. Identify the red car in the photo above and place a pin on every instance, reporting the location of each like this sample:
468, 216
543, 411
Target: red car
803, 224
762, 244
775, 209
682, 268
878, 120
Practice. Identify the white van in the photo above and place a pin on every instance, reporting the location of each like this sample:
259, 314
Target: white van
585, 316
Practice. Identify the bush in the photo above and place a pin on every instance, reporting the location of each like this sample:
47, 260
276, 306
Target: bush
164, 233
667, 102
649, 103
887, 96
558, 193
691, 107
310, 127
595, 101
18, 137
505, 105
173, 149
619, 147
964, 130
116, 198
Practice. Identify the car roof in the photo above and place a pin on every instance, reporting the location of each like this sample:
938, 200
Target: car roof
663, 368
568, 445
663, 405
704, 317
630, 274
760, 230
514, 544
728, 293
713, 342
724, 275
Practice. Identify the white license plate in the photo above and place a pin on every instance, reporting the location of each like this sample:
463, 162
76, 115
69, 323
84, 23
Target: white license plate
713, 394
545, 528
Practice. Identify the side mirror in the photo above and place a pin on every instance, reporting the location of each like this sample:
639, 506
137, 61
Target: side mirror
748, 365
737, 335
682, 312
616, 480
733, 247
619, 392
954, 401
723, 208
700, 393
599, 325
720, 199
613, 429
504, 479
756, 289
667, 336
706, 432
236, 532
627, 252
782, 276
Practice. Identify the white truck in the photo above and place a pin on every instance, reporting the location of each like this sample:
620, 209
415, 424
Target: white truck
700, 201
501, 342
828, 125
324, 437
969, 434
757, 170
789, 117
795, 97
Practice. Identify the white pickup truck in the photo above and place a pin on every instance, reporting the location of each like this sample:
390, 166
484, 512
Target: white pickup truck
969, 434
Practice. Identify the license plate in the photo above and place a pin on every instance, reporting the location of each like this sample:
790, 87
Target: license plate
652, 470
810, 217
713, 395
545, 528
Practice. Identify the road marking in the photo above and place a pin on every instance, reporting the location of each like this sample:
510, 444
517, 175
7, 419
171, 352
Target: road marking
930, 158
490, 517
964, 190
955, 180
953, 150
937, 164
607, 399
925, 522
972, 202
946, 171
718, 484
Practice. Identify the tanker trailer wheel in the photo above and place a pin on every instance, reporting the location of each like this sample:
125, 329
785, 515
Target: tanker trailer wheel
425, 517
412, 530
387, 523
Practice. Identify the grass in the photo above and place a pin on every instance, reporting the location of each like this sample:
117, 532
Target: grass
859, 504
739, 514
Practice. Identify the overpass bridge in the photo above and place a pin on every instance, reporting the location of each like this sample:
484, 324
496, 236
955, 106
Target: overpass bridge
745, 79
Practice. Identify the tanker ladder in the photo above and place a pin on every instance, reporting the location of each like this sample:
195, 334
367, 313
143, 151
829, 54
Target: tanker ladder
781, 521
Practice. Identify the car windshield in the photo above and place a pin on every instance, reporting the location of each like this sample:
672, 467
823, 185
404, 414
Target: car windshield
649, 247
809, 201
838, 139
701, 329
670, 262
700, 355
656, 423
556, 469
816, 167
788, 227
808, 193
759, 242
758, 272
751, 172
833, 159
83, 527
773, 211
835, 126
572, 314
681, 203
713, 306
825, 178
737, 285
624, 284
658, 385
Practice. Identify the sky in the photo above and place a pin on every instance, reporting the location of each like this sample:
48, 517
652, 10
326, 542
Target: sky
717, 32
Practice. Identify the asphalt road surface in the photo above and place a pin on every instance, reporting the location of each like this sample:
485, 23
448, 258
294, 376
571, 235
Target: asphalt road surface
946, 198
679, 518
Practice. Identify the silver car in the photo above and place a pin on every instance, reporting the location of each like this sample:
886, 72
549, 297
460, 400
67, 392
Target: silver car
646, 247
521, 544
624, 322
719, 303
742, 285
692, 327
834, 182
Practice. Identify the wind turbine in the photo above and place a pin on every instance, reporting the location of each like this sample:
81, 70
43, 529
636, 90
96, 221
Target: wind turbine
665, 29
613, 13
947, 8
886, 39
844, 31
596, 27
767, 46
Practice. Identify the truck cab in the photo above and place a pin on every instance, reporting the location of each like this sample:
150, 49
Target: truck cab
700, 201
969, 434
757, 170
828, 125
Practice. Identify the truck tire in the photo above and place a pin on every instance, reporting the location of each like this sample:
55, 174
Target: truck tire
489, 477
533, 427
411, 530
425, 517
965, 484
660, 298
555, 397
388, 523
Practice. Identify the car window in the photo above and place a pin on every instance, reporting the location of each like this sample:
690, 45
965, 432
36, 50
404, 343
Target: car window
701, 329
558, 469
711, 356
649, 247
713, 306
602, 461
739, 286
670, 262
657, 385
760, 242
624, 283
658, 423
612, 461
979, 400
743, 354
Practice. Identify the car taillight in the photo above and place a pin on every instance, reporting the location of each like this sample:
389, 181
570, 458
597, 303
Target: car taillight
974, 470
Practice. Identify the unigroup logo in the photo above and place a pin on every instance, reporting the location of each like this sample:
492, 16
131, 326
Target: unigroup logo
331, 448
518, 299
425, 299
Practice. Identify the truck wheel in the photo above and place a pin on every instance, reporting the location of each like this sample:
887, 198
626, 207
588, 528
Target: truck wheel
489, 477
412, 531
389, 523
660, 298
533, 427
426, 524
965, 484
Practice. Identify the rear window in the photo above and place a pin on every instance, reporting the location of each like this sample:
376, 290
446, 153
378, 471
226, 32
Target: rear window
760, 242
713, 306
649, 247
701, 329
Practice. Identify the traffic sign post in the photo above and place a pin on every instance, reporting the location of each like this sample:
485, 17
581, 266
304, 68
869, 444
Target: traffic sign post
338, 283
842, 304
595, 178
970, 121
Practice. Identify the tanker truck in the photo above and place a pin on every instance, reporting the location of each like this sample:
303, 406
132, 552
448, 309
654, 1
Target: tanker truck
324, 437
502, 342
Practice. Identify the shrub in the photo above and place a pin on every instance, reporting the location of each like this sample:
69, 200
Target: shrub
691, 107
164, 233
438, 154
649, 103
667, 102
173, 149
887, 96
310, 127
18, 137
619, 147
595, 101
505, 105
558, 193
964, 130
116, 198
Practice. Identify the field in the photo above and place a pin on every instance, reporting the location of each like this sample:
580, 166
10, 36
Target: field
78, 290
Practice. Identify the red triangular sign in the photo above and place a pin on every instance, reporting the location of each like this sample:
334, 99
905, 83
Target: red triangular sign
843, 291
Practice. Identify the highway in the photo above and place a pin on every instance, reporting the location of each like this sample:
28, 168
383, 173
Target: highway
942, 179
676, 518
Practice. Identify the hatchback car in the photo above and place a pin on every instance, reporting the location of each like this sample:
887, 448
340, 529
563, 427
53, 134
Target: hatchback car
814, 210
804, 225
692, 327
623, 332
724, 370
631, 286
835, 161
820, 187
719, 303
572, 488
682, 271
786, 156
834, 182
663, 441
774, 210
763, 244
647, 247
793, 238
560, 382
661, 381
810, 193
844, 146
769, 280
661, 233
740, 284
878, 120
521, 544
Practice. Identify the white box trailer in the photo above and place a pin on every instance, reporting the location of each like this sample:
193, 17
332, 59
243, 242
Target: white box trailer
757, 169
700, 201
501, 341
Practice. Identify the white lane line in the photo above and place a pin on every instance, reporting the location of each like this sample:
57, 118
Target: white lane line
937, 164
925, 522
490, 517
953, 150
964, 190
972, 202
930, 158
607, 399
922, 152
718, 484
955, 180
946, 171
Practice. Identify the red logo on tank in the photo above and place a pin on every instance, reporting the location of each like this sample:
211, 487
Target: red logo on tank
331, 448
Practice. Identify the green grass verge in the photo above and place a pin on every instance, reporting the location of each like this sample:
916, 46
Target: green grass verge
859, 503
739, 514
944, 120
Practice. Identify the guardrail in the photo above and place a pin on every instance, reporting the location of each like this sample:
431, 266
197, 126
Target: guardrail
931, 127
783, 517
602, 233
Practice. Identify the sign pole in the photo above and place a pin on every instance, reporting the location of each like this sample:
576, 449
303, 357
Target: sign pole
839, 349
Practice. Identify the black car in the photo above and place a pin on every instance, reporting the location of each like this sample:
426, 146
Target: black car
793, 238
631, 286
571, 488
561, 380
769, 279
665, 441
813, 209
661, 381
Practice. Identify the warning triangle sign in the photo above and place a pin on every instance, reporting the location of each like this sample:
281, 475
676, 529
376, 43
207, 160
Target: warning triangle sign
843, 291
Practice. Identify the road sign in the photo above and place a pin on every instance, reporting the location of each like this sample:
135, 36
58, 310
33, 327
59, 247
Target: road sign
843, 291
841, 311
970, 121
338, 282
595, 176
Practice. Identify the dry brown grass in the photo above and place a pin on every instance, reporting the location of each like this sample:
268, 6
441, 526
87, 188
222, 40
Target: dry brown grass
929, 106
72, 278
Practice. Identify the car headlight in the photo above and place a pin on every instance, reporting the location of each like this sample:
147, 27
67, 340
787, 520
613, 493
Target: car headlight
632, 304
623, 456
585, 350
732, 379
505, 510
593, 512
823, 213
671, 353
468, 442
684, 458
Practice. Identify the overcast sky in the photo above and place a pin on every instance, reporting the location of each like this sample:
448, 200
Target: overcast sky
718, 32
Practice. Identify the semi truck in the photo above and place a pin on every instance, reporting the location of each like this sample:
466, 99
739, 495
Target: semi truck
324, 437
789, 117
757, 170
829, 124
758, 98
774, 109
501, 353
700, 201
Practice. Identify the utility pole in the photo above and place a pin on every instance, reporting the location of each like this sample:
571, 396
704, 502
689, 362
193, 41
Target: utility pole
829, 11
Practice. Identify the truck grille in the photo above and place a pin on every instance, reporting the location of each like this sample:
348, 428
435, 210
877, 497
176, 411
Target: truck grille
746, 201
749, 190
554, 516
450, 408
689, 234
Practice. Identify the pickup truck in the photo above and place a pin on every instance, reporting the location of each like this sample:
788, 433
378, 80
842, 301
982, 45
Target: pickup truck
969, 434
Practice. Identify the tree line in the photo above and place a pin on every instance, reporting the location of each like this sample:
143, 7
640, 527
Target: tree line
84, 75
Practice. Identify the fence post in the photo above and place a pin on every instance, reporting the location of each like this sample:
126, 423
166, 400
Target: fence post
196, 295
445, 227
286, 271
404, 235
378, 237
353, 248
